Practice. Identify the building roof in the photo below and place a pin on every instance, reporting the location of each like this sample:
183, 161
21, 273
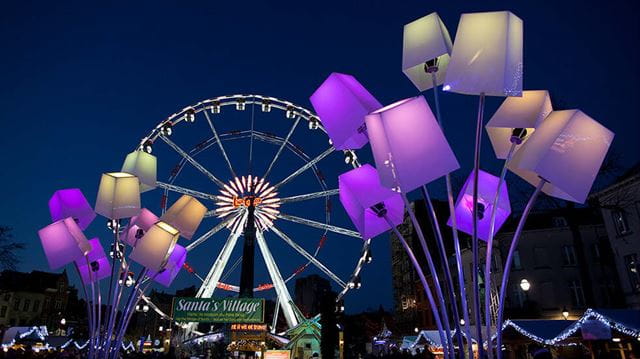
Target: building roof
36, 281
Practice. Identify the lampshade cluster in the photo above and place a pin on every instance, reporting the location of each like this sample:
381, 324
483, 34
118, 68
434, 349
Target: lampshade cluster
565, 148
153, 240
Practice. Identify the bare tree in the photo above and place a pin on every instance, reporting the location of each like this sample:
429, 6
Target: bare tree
9, 249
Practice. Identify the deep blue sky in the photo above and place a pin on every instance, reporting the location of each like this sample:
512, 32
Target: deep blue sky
82, 82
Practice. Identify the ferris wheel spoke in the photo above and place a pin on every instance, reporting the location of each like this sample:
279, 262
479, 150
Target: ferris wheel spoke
212, 279
306, 166
284, 143
308, 196
210, 233
314, 224
309, 257
281, 288
193, 162
184, 190
217, 140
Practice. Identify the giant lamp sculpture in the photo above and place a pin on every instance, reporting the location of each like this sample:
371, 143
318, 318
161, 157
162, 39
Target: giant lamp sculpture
71, 203
142, 165
342, 102
486, 60
561, 158
410, 150
511, 125
185, 215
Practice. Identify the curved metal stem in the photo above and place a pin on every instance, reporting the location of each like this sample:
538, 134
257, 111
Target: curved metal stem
509, 262
489, 258
474, 238
425, 284
445, 264
434, 275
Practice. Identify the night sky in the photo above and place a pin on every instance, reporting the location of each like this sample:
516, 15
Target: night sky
82, 83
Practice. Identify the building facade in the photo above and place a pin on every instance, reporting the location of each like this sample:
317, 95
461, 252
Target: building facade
36, 298
620, 207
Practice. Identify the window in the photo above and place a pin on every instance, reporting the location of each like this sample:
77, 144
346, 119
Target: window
568, 255
16, 304
631, 263
576, 294
25, 307
3, 311
47, 302
541, 257
36, 305
559, 222
7, 296
58, 304
620, 221
516, 260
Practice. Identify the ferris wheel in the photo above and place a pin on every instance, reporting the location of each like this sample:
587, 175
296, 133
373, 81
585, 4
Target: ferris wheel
248, 203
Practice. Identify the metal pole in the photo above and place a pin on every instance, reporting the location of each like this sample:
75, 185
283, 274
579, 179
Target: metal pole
488, 259
427, 289
474, 238
248, 254
454, 230
445, 265
507, 265
434, 274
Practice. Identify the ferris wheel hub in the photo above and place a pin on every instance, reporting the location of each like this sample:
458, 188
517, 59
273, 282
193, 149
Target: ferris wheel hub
241, 193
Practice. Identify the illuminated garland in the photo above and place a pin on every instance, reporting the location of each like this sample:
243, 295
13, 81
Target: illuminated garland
591, 314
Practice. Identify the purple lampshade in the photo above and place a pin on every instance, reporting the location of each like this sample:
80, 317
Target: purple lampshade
138, 226
360, 189
63, 242
174, 264
98, 263
341, 102
408, 145
567, 150
487, 188
71, 203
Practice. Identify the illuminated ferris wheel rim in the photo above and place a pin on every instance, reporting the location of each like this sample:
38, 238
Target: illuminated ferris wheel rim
211, 107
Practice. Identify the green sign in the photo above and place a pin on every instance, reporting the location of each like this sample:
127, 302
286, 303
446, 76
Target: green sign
218, 310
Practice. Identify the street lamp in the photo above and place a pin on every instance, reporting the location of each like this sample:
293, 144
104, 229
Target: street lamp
525, 285
63, 321
565, 313
416, 329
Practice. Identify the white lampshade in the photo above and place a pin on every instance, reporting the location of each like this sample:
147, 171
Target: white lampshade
142, 165
185, 215
487, 55
154, 248
118, 195
424, 40
525, 112
567, 150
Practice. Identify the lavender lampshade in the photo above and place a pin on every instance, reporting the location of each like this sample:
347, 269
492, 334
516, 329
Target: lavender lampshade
408, 145
567, 150
71, 203
487, 55
63, 242
98, 265
425, 39
185, 215
154, 248
142, 165
341, 102
118, 195
138, 225
526, 112
172, 268
487, 188
360, 189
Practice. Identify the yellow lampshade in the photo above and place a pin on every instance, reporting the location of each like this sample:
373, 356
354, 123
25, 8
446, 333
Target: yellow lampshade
567, 150
185, 215
142, 165
118, 195
425, 39
525, 112
154, 248
487, 55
